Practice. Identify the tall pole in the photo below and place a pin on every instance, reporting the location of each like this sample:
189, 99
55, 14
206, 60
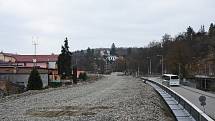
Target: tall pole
205, 76
150, 66
161, 63
35, 51
179, 70
209, 69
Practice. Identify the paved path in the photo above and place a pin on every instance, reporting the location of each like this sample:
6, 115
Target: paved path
113, 98
192, 95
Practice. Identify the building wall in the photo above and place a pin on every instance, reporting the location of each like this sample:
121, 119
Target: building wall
22, 79
2, 85
6, 58
9, 59
1, 57
112, 58
42, 65
52, 65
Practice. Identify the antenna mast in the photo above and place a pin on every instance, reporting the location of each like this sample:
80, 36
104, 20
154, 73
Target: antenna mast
35, 43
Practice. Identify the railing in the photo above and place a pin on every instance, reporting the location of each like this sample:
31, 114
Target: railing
194, 111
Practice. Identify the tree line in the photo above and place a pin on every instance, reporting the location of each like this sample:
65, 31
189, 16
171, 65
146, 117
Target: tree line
188, 53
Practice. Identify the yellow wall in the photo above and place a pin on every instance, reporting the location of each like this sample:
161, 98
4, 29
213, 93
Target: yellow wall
6, 58
1, 57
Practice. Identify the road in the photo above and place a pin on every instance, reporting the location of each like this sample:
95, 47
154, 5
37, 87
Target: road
193, 95
112, 98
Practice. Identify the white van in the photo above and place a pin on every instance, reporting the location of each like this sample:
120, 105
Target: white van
172, 80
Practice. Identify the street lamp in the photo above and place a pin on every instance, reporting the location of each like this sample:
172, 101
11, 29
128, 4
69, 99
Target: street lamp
179, 69
150, 66
161, 62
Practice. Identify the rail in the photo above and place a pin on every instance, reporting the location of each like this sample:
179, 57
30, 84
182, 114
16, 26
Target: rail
194, 111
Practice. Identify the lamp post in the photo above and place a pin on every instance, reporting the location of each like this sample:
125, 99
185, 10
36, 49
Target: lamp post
150, 66
205, 76
161, 62
179, 69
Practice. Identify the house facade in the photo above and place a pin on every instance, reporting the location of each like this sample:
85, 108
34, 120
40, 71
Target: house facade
112, 58
16, 68
42, 61
7, 57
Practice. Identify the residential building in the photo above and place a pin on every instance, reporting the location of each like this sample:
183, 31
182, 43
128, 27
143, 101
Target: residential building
20, 75
112, 58
7, 57
20, 66
43, 61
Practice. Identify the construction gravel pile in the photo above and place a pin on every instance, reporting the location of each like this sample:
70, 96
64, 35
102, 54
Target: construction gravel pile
112, 98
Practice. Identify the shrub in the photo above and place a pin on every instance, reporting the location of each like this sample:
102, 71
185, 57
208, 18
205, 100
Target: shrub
34, 80
83, 76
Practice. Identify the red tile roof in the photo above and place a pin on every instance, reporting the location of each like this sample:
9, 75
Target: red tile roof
39, 58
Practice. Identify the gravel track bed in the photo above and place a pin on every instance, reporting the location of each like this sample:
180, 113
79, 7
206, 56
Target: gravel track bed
112, 98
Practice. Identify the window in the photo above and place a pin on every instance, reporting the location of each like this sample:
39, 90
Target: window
166, 77
174, 77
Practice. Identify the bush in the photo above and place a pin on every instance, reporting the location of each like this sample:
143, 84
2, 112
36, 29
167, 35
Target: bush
34, 80
83, 76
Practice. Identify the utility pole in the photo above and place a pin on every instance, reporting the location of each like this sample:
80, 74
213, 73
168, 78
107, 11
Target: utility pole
209, 69
35, 43
150, 66
161, 62
179, 70
205, 76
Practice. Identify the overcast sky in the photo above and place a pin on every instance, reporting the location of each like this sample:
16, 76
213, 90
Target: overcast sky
96, 23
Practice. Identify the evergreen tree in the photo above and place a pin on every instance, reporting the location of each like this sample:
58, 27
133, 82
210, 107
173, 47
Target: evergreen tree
129, 50
34, 80
113, 50
64, 61
211, 31
190, 32
90, 52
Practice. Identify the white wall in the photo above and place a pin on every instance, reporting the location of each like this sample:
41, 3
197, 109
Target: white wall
52, 65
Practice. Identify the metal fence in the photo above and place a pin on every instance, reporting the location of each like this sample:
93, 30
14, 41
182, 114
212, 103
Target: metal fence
194, 111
